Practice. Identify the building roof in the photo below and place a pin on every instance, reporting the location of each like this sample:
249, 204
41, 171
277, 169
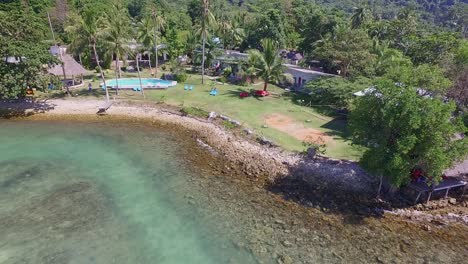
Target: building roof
293, 68
72, 67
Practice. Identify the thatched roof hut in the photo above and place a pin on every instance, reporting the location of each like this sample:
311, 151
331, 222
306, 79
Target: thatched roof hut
72, 67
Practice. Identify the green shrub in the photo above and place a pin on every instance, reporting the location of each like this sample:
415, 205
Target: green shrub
194, 111
163, 67
335, 92
228, 125
226, 72
180, 77
97, 69
319, 148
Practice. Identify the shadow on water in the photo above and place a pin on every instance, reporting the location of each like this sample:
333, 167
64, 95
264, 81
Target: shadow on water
22, 107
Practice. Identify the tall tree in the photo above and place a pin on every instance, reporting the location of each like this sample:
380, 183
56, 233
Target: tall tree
212, 50
403, 130
268, 62
22, 38
158, 25
86, 27
360, 17
145, 35
117, 35
206, 22
349, 49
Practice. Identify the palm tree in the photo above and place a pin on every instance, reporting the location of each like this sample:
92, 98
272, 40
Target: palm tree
139, 75
361, 16
212, 50
207, 21
230, 31
86, 28
158, 25
191, 42
237, 34
388, 58
224, 30
268, 63
116, 35
145, 35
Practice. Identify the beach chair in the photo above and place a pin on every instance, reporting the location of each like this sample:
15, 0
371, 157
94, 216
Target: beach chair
191, 87
214, 92
186, 87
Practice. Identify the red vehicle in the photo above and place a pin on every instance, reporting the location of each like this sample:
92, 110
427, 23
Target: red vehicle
261, 93
244, 94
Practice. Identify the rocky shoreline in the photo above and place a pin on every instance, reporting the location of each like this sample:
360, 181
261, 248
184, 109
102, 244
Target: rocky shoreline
334, 185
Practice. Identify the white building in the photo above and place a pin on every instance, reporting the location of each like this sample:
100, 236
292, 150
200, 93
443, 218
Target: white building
302, 76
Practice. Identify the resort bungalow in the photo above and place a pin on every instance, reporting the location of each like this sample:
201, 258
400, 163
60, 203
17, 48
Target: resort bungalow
72, 68
230, 58
302, 75
291, 57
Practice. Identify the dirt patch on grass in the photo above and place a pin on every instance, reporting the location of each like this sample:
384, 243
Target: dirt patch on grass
298, 130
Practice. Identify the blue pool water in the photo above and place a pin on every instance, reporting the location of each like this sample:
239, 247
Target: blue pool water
130, 83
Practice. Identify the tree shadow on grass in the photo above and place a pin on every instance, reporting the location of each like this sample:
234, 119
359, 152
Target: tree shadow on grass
23, 107
333, 186
338, 127
236, 93
303, 99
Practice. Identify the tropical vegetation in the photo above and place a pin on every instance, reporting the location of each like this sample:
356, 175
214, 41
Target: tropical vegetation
413, 57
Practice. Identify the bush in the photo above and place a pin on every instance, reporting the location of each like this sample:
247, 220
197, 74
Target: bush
336, 92
97, 69
316, 147
227, 72
123, 68
194, 111
229, 125
223, 79
180, 77
163, 67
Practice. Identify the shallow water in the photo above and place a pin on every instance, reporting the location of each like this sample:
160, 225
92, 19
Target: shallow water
94, 193
114, 191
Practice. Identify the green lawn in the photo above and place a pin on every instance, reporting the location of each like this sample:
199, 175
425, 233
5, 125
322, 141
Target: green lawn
249, 111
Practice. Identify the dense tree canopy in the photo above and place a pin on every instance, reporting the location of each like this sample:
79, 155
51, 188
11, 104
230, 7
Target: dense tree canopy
403, 130
22, 37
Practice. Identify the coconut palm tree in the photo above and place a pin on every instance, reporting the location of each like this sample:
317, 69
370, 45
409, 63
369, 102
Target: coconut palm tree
212, 50
145, 35
268, 62
191, 42
207, 21
137, 58
158, 26
117, 32
361, 16
86, 27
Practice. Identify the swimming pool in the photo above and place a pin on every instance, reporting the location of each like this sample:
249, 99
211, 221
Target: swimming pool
147, 83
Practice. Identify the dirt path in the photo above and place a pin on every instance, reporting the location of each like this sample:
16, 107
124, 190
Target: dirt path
298, 130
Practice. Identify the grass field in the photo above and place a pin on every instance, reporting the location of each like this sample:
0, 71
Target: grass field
250, 112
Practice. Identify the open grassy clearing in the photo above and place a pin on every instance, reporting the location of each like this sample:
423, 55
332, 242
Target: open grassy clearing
251, 112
